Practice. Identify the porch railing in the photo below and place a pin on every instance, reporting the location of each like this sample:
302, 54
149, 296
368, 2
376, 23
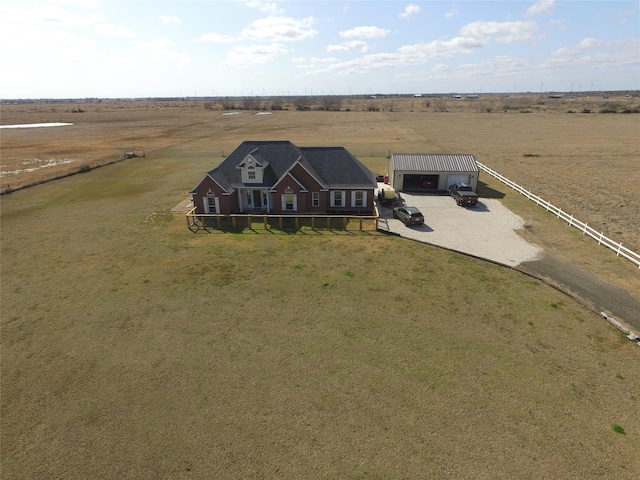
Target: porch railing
252, 221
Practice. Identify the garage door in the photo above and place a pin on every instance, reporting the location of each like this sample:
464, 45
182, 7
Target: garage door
420, 182
451, 179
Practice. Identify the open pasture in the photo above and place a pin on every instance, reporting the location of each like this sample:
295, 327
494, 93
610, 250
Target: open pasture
132, 348
585, 163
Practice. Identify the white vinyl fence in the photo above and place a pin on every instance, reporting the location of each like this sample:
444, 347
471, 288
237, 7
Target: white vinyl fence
583, 227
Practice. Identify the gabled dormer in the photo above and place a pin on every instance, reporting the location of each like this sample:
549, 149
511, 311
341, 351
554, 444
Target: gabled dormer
252, 169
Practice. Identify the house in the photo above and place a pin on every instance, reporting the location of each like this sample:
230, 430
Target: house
411, 172
279, 177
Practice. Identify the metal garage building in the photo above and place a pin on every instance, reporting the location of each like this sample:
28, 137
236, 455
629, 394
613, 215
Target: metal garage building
418, 172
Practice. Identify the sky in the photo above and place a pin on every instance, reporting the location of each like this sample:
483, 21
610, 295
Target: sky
204, 48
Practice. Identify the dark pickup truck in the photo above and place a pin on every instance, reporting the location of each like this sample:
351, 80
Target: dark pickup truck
463, 194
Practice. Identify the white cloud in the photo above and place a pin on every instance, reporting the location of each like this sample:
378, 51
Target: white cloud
79, 3
63, 37
312, 62
587, 54
365, 32
593, 55
170, 20
502, 65
454, 12
560, 25
410, 11
43, 24
442, 68
502, 32
254, 54
214, 37
121, 61
624, 16
114, 31
337, 48
405, 56
68, 55
160, 49
271, 8
359, 45
541, 7
422, 52
278, 29
154, 45
48, 14
578, 49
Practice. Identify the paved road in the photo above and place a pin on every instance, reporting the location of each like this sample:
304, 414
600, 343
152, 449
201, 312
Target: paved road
489, 231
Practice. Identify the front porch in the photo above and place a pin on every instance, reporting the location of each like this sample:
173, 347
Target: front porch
197, 222
253, 201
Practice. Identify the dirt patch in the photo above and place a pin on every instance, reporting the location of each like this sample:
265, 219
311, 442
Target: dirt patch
184, 206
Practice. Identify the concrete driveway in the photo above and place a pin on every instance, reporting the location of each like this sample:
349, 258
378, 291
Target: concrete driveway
486, 231
489, 231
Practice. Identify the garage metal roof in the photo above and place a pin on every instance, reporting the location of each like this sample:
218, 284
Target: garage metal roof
433, 162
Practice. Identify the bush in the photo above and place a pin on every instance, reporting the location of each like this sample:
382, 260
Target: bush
618, 429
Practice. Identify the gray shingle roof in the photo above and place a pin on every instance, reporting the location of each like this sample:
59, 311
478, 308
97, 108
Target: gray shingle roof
338, 168
333, 166
434, 162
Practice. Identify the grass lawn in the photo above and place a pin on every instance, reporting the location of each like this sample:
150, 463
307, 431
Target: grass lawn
132, 348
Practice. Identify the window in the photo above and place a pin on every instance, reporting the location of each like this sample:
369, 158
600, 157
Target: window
249, 194
337, 198
358, 198
211, 205
315, 199
289, 202
251, 173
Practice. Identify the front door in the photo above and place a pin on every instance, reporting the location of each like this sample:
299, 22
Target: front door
257, 199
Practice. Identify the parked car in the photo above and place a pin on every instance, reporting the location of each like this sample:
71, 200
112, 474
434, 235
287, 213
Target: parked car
408, 215
463, 194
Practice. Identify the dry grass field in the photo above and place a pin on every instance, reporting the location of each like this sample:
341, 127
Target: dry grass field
588, 164
132, 348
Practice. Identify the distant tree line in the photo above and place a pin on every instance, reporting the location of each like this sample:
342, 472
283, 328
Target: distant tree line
326, 103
